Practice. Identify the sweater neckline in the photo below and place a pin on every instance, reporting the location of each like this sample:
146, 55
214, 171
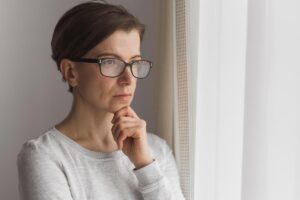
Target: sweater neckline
94, 154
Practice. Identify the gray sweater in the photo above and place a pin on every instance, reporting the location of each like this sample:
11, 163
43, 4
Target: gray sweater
54, 167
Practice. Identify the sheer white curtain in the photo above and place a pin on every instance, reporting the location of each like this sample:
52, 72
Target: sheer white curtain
272, 108
236, 96
247, 104
220, 63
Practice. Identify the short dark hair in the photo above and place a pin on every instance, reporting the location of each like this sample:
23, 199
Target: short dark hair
87, 24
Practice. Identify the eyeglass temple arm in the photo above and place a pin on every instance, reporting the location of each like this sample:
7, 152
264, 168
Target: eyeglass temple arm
88, 60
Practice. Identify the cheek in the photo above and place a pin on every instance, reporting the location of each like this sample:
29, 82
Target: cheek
86, 73
134, 84
99, 86
88, 80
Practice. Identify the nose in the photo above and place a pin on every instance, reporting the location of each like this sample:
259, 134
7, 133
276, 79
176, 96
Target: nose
126, 77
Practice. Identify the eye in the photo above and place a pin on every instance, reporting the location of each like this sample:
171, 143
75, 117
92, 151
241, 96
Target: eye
109, 61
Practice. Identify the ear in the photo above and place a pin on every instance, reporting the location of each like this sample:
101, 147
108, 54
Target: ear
69, 72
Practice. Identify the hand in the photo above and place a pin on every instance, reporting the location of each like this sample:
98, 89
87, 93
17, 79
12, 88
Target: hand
129, 132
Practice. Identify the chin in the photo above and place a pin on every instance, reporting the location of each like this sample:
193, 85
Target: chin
117, 107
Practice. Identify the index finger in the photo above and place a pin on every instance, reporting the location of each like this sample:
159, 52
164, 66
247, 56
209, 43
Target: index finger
125, 111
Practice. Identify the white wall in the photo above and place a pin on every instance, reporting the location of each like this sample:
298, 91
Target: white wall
33, 97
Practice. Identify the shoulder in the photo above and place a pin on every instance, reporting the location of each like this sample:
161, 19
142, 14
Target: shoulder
40, 147
158, 146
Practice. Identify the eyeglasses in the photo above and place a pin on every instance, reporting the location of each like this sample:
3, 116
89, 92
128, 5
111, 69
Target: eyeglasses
113, 67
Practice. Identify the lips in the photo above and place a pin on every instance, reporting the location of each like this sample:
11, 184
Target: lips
123, 97
124, 94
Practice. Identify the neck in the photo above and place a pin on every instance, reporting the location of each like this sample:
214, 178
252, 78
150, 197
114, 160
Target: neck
89, 127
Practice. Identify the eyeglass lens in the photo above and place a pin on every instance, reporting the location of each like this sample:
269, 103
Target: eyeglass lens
114, 67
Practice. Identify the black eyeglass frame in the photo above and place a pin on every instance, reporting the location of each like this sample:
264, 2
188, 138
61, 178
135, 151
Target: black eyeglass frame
99, 61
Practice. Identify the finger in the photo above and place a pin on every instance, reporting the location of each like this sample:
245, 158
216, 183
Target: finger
129, 123
125, 133
116, 129
125, 111
121, 120
123, 124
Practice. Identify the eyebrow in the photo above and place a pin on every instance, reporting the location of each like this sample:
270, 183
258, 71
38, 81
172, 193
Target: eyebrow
117, 56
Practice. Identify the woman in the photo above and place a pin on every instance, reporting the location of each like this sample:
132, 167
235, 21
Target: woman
101, 150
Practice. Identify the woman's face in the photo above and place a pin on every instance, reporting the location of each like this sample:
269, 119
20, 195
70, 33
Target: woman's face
99, 91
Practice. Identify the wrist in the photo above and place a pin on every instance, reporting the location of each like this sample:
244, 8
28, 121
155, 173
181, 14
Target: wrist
143, 163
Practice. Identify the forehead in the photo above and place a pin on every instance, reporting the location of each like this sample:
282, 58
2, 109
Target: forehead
121, 43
